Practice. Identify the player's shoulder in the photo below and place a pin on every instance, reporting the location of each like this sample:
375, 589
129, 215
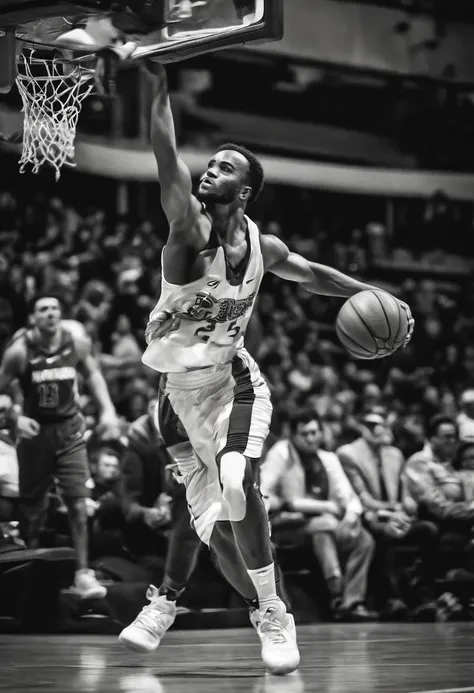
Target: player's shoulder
18, 337
273, 249
78, 334
16, 351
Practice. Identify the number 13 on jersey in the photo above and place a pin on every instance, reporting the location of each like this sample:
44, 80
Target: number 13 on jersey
203, 332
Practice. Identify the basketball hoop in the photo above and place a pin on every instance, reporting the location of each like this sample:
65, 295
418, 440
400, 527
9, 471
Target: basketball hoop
52, 91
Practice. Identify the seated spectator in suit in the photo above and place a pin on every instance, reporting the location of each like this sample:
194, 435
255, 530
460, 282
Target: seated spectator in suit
374, 468
308, 487
436, 485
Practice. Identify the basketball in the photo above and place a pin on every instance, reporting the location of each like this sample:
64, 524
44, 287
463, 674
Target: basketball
371, 325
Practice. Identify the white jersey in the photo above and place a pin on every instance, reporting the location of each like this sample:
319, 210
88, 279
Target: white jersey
215, 312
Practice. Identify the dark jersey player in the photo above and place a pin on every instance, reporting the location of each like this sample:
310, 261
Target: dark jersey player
46, 360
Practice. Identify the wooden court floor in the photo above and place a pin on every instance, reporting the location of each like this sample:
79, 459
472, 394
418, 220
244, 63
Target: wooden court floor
411, 658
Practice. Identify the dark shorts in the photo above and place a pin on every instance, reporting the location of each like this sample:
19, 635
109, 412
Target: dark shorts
57, 452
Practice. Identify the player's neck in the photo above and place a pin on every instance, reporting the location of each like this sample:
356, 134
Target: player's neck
227, 222
47, 340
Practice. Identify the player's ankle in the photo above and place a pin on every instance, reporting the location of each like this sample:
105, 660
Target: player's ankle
264, 604
172, 595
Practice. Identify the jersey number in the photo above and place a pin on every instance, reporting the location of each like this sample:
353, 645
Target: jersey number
233, 330
48, 395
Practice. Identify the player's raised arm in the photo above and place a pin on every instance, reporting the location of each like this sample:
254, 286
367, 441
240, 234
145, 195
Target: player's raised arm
177, 200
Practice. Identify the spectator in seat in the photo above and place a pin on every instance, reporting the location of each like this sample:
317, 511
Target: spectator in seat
108, 523
434, 482
308, 487
465, 419
374, 466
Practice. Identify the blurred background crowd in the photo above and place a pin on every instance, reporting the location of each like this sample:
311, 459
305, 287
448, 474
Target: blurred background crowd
107, 271
370, 464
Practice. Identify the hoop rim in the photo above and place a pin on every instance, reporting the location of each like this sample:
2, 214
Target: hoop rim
78, 69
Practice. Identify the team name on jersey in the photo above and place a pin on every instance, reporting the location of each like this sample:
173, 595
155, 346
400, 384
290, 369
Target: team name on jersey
206, 307
63, 373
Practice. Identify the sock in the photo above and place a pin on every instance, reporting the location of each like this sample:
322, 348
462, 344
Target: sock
264, 582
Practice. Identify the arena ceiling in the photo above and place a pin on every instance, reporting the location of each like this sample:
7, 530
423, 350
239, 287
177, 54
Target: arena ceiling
443, 10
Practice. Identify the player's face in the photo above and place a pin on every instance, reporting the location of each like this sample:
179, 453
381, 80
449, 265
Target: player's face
47, 315
225, 179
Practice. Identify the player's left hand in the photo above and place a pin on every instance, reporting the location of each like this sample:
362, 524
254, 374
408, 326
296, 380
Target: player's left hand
108, 427
411, 322
164, 323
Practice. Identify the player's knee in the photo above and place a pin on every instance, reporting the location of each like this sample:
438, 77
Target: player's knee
232, 470
233, 467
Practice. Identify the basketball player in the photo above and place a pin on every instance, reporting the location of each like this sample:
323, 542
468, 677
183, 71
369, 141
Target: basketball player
212, 267
45, 360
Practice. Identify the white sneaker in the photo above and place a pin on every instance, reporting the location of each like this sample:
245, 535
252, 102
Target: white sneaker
86, 585
144, 634
277, 633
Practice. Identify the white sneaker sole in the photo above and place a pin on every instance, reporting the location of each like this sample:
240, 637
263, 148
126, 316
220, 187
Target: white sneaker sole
132, 643
283, 669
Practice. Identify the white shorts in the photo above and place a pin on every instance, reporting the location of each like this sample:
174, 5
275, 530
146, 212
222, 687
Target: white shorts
8, 470
226, 408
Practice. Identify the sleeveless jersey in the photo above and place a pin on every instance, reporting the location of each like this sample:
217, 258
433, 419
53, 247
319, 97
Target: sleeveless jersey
214, 311
49, 383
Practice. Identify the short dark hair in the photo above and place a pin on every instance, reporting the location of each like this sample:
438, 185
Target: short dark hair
438, 420
457, 459
256, 175
44, 294
304, 416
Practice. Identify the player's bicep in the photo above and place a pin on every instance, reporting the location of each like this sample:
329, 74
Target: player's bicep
294, 268
87, 363
177, 200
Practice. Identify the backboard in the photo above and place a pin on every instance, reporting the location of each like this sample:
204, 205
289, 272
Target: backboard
166, 29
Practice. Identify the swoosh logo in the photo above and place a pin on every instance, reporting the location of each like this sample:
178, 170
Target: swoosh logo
250, 280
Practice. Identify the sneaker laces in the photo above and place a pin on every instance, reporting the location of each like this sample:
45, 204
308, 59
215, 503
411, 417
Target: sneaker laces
274, 629
150, 617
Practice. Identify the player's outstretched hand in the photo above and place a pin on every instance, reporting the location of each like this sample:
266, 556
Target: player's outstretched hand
164, 323
411, 321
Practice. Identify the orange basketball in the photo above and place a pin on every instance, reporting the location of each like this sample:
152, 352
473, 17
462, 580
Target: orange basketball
371, 324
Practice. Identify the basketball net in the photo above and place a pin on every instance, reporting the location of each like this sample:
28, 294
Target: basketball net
52, 102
